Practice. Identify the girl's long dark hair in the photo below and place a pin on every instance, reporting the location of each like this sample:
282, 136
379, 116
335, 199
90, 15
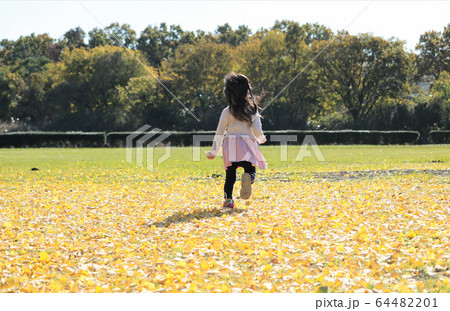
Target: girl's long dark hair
239, 97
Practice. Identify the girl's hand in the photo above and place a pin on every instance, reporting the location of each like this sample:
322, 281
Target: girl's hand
210, 155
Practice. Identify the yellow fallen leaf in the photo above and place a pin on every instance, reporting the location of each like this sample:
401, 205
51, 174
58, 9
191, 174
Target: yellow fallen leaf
7, 225
44, 257
55, 286
181, 263
192, 288
83, 278
122, 271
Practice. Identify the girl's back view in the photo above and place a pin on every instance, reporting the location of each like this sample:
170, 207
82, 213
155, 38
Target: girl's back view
240, 132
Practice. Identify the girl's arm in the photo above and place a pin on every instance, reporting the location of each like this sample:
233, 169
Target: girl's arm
257, 129
218, 138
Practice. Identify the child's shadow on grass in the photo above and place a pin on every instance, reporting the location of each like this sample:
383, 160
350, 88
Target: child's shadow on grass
197, 214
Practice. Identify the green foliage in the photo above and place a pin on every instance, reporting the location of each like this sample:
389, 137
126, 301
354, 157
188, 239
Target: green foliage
306, 32
15, 53
24, 80
114, 34
434, 56
360, 82
270, 65
441, 97
432, 109
159, 44
146, 103
364, 71
227, 35
88, 92
98, 37
193, 74
75, 38
121, 35
5, 93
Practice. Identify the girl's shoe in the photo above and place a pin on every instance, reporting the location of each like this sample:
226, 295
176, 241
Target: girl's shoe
246, 186
228, 204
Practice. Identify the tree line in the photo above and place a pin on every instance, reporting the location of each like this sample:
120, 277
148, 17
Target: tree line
111, 79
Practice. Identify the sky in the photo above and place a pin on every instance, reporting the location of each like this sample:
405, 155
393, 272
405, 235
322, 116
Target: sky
405, 20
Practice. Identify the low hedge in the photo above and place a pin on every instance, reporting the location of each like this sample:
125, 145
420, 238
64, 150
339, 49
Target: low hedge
118, 139
351, 137
440, 137
52, 139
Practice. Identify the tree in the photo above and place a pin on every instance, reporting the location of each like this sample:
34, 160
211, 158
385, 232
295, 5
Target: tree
114, 34
432, 109
243, 33
227, 35
363, 71
21, 95
5, 93
148, 103
306, 32
54, 50
88, 88
32, 106
195, 74
14, 53
121, 35
98, 37
276, 64
434, 53
316, 32
439, 103
75, 38
160, 43
263, 60
6, 47
23, 81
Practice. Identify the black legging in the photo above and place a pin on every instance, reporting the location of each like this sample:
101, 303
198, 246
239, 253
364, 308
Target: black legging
231, 176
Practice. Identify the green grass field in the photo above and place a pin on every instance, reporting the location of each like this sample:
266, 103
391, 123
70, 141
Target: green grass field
181, 160
367, 219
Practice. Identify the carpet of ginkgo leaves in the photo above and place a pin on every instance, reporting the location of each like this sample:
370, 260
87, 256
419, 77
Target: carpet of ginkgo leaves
96, 227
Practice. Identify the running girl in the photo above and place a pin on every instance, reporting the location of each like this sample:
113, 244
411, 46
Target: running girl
240, 132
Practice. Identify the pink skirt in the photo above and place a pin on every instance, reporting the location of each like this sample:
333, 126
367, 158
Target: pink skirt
242, 148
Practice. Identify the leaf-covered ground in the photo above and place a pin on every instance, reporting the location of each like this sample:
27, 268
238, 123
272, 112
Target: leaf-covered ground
87, 221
